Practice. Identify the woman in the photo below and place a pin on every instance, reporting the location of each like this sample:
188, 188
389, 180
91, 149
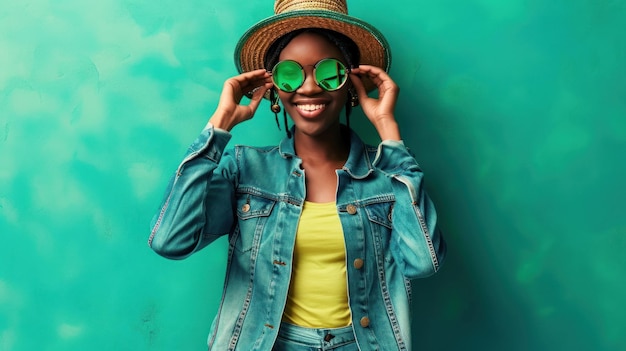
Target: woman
325, 232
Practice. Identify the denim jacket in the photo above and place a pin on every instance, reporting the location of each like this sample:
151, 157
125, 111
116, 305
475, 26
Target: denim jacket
255, 196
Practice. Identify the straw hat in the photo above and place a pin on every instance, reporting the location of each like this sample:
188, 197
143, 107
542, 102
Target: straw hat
292, 15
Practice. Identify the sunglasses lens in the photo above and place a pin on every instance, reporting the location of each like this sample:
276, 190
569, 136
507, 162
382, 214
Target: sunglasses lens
288, 76
331, 74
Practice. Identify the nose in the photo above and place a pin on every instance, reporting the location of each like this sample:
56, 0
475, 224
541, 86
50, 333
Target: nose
309, 86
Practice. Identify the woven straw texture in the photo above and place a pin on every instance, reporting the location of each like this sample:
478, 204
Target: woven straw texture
283, 6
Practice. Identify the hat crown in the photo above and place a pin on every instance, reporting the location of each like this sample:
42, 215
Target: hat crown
283, 6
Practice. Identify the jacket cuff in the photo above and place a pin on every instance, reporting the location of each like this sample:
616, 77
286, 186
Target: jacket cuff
210, 143
393, 156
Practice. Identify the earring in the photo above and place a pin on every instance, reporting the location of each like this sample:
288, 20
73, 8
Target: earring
275, 107
354, 98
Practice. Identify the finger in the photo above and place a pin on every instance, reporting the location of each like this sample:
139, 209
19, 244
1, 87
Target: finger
376, 74
369, 69
256, 98
251, 79
252, 86
252, 75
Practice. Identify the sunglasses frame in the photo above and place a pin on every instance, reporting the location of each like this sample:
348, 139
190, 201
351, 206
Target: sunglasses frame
314, 76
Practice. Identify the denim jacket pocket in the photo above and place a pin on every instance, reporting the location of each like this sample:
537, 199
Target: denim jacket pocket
379, 215
252, 213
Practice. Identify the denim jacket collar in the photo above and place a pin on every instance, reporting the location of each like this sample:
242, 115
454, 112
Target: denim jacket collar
359, 164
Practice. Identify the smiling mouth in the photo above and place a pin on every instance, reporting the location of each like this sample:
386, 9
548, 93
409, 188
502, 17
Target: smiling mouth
310, 107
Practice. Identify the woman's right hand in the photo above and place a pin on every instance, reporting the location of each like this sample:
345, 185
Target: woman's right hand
230, 111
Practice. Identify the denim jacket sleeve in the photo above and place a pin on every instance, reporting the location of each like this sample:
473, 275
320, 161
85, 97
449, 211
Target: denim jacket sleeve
197, 206
416, 242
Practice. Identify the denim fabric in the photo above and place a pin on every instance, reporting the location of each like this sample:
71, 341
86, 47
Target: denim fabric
295, 338
254, 195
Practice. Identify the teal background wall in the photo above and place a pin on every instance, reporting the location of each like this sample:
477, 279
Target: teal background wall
516, 110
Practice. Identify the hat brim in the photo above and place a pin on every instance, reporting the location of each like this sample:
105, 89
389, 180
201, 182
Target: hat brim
254, 44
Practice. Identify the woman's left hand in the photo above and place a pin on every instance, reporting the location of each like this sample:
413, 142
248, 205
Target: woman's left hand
380, 111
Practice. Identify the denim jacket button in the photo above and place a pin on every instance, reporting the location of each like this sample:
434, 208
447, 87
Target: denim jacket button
245, 207
351, 209
358, 263
365, 322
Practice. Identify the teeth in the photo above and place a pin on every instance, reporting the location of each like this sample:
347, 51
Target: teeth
310, 107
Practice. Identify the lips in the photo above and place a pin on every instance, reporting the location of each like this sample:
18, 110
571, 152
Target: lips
311, 107
310, 110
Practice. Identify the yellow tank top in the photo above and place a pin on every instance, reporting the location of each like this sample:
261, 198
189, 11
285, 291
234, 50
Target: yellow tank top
318, 292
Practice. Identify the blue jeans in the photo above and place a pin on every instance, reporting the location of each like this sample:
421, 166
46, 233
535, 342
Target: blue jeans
295, 338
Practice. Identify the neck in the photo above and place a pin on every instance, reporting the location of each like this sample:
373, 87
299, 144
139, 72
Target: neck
333, 146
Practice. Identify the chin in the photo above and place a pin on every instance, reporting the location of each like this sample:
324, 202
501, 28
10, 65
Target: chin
316, 129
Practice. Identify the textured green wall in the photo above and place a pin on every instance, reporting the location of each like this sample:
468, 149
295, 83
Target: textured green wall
516, 110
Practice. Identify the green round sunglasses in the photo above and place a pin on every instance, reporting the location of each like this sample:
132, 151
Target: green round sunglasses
330, 74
